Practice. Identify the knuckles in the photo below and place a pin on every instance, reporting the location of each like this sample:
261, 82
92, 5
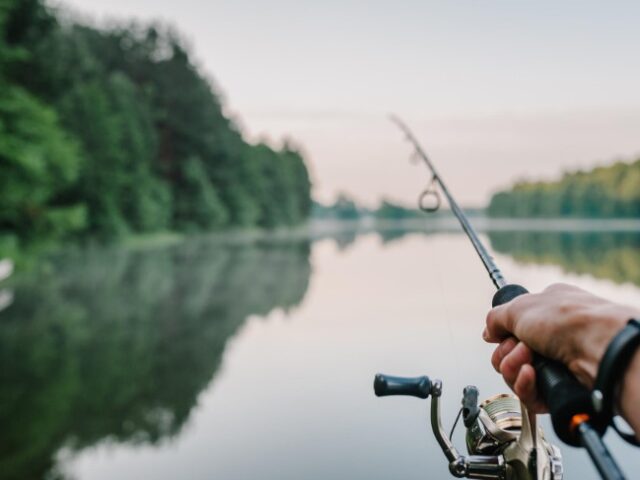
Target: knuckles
558, 287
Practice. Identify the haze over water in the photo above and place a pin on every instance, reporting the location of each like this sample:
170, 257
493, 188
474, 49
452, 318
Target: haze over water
254, 358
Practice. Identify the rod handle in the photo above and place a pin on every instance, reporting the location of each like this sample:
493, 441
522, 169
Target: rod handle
563, 394
507, 293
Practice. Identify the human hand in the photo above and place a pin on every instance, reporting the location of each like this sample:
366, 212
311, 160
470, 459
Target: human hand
563, 323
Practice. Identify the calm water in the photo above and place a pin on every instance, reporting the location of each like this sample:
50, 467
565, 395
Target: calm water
255, 359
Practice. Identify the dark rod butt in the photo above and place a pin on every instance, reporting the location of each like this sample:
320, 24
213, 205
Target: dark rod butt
592, 442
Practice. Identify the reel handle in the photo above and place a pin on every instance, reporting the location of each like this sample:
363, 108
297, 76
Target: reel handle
385, 385
563, 394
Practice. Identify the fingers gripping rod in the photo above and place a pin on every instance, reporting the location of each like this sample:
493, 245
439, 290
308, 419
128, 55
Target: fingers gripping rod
567, 399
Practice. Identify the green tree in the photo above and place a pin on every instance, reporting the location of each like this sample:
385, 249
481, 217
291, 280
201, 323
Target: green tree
202, 208
38, 160
602, 192
38, 163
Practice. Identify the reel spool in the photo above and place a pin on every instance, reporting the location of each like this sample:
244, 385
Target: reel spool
499, 423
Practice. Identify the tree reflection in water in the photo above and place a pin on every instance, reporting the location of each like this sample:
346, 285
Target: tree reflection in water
607, 255
118, 344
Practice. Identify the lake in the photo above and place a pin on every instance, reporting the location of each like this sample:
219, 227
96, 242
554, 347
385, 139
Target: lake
253, 358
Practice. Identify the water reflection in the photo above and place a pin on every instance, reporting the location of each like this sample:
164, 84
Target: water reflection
606, 255
111, 350
118, 344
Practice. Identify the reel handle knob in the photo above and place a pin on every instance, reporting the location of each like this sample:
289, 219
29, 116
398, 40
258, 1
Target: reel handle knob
386, 385
563, 394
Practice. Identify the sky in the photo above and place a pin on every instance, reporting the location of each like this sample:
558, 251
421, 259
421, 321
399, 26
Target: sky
497, 91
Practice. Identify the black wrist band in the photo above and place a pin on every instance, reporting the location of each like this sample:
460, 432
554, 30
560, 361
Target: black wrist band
612, 368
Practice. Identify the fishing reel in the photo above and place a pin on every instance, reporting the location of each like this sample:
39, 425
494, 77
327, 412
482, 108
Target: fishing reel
502, 440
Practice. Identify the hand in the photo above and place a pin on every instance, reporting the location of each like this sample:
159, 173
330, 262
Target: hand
562, 323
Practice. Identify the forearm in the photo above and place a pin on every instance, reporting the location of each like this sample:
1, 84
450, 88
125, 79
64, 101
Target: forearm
630, 394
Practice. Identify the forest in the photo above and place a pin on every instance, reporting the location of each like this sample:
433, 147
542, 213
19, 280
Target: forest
111, 132
608, 191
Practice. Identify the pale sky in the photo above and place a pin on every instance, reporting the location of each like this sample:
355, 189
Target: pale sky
496, 90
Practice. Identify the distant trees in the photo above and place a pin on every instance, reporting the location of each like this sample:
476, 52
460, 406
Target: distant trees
392, 211
344, 208
107, 132
611, 191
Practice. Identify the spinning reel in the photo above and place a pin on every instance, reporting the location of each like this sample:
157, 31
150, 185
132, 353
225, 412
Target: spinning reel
502, 440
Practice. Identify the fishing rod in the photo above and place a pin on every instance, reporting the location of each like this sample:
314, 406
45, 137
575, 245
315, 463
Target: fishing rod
495, 451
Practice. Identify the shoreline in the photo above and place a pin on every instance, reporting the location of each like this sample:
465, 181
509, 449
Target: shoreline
318, 229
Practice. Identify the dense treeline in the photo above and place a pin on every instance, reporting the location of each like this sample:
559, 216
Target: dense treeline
610, 191
106, 132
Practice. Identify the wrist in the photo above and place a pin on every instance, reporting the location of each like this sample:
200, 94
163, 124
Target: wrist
616, 380
600, 326
629, 399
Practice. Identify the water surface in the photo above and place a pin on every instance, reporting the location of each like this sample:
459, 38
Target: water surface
254, 359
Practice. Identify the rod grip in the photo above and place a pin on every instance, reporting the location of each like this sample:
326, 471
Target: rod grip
507, 293
563, 394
